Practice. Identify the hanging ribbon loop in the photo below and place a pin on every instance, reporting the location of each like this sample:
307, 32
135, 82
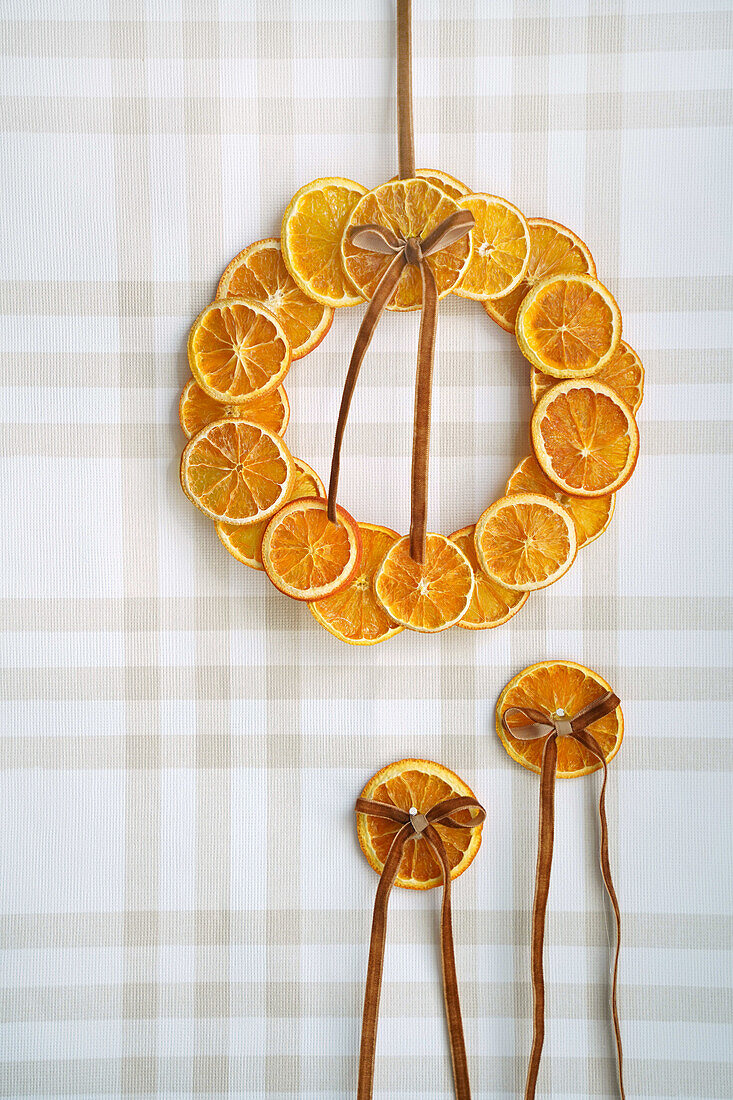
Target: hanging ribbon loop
541, 725
414, 826
406, 251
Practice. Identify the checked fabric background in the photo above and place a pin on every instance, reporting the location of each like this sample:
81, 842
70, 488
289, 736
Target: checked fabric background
185, 910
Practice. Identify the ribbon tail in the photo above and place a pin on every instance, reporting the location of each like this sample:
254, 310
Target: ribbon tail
590, 742
375, 965
461, 1080
423, 401
539, 910
381, 298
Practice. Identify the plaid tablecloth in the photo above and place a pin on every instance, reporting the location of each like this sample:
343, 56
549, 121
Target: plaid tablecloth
185, 908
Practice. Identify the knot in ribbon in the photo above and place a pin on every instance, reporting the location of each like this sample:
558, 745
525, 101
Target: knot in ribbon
405, 251
414, 827
541, 724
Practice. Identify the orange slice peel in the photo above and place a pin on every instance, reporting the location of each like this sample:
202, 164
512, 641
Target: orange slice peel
305, 555
569, 326
526, 541
236, 471
427, 596
585, 438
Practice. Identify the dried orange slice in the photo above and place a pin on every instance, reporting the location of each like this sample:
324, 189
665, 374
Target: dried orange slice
410, 208
569, 326
554, 250
526, 541
236, 471
592, 515
259, 272
305, 555
418, 785
245, 542
585, 438
312, 229
196, 409
561, 688
491, 604
623, 373
237, 349
452, 187
428, 596
353, 615
500, 248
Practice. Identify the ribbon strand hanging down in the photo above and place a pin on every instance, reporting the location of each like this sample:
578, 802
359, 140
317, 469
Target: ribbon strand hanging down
415, 825
544, 725
411, 250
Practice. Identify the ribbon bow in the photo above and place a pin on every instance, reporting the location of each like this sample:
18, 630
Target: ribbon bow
405, 250
550, 727
414, 826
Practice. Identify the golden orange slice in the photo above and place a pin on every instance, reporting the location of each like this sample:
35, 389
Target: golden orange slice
410, 208
428, 596
569, 326
585, 438
259, 272
237, 349
526, 542
560, 688
491, 604
623, 373
452, 187
419, 785
245, 542
236, 471
312, 229
500, 255
196, 409
591, 515
354, 615
554, 250
305, 555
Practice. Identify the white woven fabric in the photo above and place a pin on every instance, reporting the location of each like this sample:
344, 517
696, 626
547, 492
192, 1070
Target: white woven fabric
185, 908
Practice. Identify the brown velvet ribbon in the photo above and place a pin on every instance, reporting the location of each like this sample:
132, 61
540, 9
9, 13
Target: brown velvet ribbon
412, 826
410, 250
543, 725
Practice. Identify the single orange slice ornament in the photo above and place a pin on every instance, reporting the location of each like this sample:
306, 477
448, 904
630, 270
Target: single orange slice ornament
501, 246
585, 438
259, 272
354, 614
492, 604
623, 373
526, 542
236, 471
427, 596
569, 326
237, 349
409, 208
245, 542
417, 785
591, 515
305, 555
562, 688
312, 228
554, 250
196, 409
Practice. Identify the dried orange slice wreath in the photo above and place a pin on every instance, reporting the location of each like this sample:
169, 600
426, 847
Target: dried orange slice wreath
275, 303
417, 785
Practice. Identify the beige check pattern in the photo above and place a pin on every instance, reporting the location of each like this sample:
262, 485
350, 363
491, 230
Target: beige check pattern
185, 910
